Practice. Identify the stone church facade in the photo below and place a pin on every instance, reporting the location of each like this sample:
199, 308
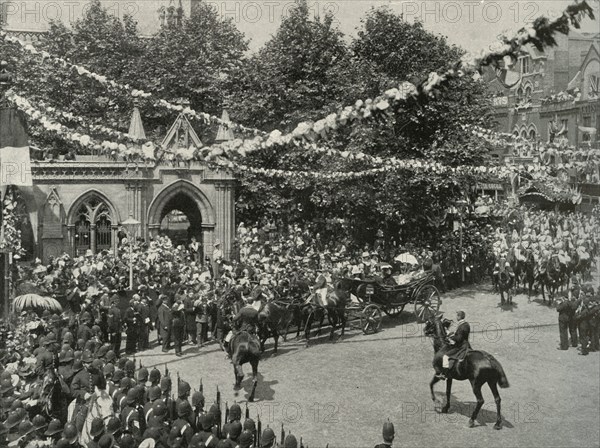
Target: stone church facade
79, 205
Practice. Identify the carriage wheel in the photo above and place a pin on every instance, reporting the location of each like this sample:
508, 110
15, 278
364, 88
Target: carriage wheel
427, 303
370, 319
394, 311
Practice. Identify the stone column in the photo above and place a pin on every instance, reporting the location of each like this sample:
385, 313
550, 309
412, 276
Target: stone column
93, 238
71, 238
115, 240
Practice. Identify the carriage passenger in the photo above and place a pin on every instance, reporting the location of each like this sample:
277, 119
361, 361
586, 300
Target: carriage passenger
387, 279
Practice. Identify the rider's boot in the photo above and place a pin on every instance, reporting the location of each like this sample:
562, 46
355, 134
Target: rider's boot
439, 374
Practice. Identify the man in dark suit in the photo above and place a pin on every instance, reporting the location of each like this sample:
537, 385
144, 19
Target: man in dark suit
114, 325
165, 319
565, 310
458, 345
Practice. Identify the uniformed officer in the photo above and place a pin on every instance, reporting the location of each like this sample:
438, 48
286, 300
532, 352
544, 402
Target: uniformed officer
267, 439
131, 320
114, 326
190, 316
205, 426
290, 442
388, 435
130, 418
182, 424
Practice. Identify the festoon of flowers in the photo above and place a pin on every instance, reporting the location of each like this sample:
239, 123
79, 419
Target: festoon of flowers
111, 148
540, 33
11, 235
506, 50
563, 157
134, 93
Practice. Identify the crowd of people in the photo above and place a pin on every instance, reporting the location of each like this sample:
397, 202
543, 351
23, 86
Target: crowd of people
62, 386
176, 292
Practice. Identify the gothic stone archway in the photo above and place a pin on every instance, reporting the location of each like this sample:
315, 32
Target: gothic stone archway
184, 196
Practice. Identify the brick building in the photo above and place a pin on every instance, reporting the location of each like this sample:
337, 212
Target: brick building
558, 90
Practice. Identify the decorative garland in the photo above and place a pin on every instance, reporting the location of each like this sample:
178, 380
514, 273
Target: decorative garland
134, 93
540, 33
11, 241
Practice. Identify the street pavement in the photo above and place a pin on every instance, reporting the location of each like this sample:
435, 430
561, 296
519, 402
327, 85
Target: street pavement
340, 393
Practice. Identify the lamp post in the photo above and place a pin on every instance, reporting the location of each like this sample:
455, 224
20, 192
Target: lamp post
460, 207
131, 225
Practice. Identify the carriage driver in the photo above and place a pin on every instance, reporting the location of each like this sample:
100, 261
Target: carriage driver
320, 287
457, 347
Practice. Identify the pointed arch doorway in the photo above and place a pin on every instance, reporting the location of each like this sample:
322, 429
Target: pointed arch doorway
182, 211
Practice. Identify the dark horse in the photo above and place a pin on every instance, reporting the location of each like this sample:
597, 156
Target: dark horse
335, 308
55, 396
551, 277
527, 267
505, 283
245, 348
478, 367
274, 319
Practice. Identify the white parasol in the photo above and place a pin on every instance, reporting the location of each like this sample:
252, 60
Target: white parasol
407, 258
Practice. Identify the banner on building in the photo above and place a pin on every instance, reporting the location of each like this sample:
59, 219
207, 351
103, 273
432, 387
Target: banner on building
15, 164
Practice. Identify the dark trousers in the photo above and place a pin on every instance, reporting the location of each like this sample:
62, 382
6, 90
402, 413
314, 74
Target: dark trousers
190, 327
115, 341
563, 329
143, 337
573, 331
202, 328
131, 340
178, 335
595, 336
584, 337
165, 335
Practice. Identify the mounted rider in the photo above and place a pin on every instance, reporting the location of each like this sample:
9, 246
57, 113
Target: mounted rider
320, 287
457, 347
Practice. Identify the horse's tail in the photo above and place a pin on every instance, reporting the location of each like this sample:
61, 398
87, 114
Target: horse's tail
502, 380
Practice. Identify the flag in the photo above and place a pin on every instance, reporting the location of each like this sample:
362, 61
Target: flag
15, 165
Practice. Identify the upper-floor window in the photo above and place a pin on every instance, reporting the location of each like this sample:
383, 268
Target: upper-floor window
594, 81
526, 64
528, 91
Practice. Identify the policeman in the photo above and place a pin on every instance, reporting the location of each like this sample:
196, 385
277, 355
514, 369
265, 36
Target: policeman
388, 435
267, 439
84, 380
131, 320
198, 406
130, 418
202, 315
290, 442
97, 430
595, 325
182, 424
53, 432
144, 324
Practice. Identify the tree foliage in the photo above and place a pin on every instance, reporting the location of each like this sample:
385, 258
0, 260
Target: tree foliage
307, 70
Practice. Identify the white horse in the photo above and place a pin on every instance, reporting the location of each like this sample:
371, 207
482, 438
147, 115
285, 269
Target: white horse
99, 405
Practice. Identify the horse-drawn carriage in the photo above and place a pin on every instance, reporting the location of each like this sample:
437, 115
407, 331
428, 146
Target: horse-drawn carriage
372, 299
